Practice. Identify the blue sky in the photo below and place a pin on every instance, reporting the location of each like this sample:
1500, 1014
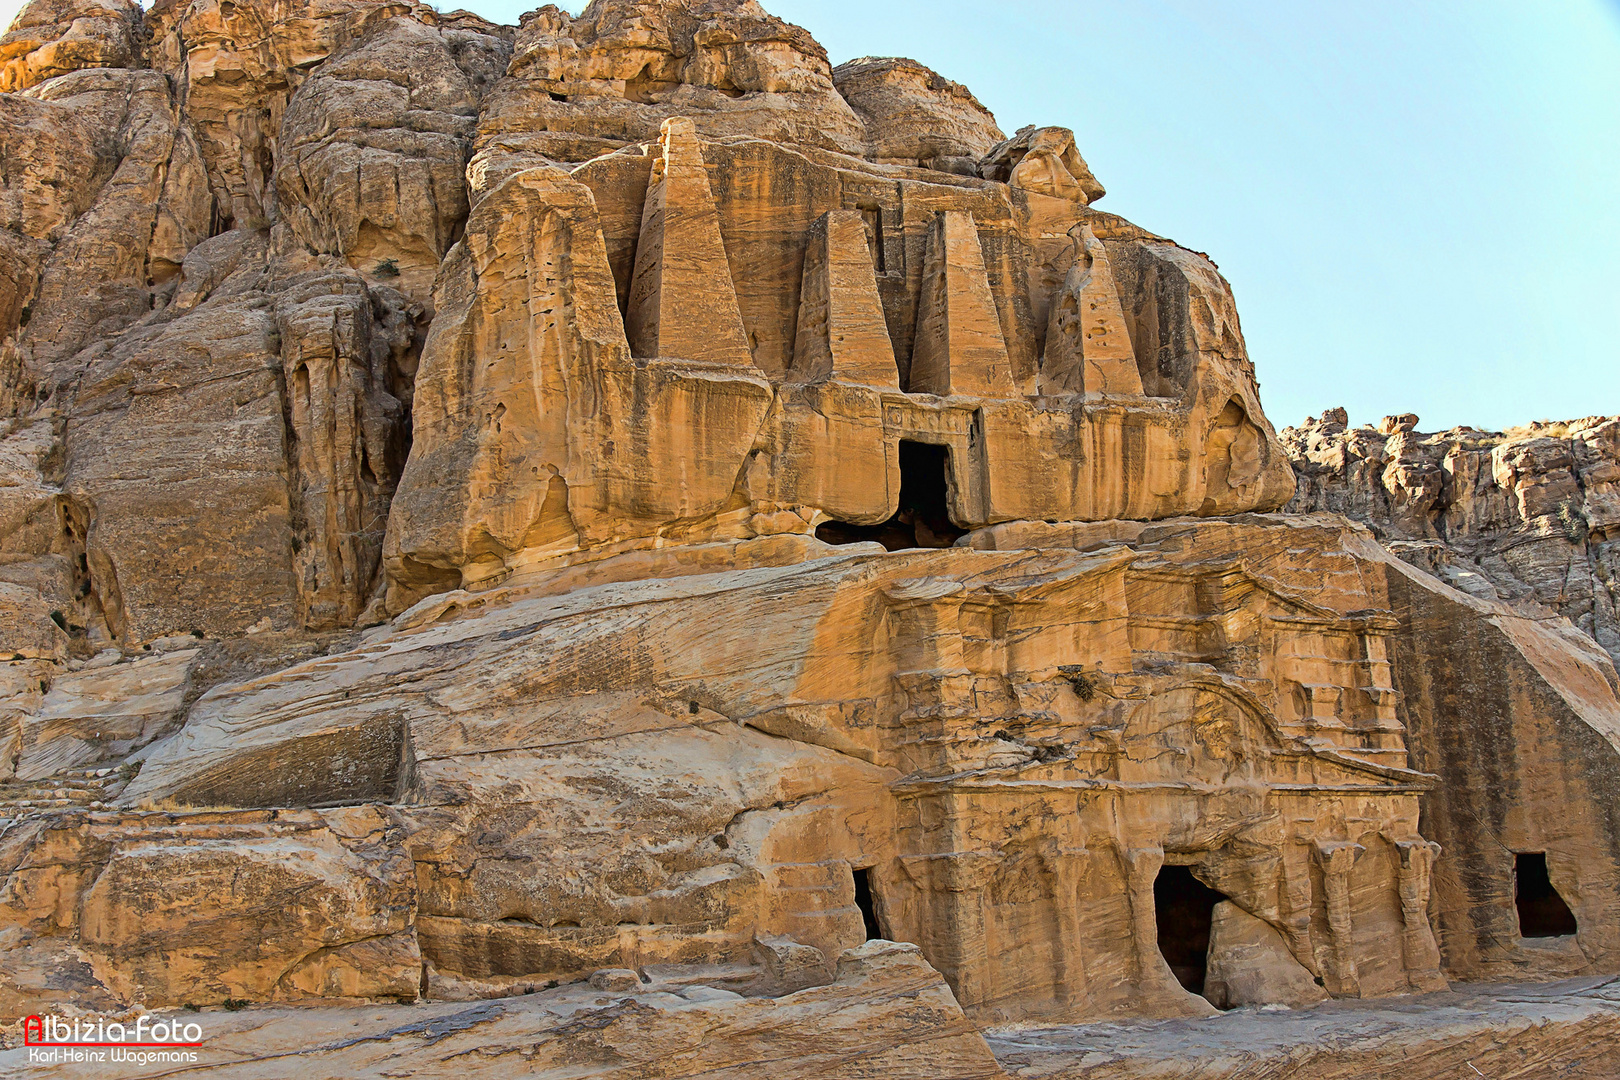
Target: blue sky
1415, 202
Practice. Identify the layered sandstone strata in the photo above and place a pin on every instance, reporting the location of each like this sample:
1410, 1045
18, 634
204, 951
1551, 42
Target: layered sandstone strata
619, 506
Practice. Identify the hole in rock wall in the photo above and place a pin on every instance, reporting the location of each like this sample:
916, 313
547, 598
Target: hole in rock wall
1542, 912
923, 518
1184, 908
874, 236
647, 88
863, 900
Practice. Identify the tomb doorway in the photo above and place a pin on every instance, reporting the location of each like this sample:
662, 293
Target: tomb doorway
923, 516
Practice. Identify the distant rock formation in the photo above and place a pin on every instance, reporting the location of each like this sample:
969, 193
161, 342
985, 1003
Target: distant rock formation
1529, 516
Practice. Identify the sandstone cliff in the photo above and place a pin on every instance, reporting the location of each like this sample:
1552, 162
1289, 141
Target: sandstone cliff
731, 564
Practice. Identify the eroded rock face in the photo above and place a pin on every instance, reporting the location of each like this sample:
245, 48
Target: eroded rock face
581, 784
371, 160
166, 394
346, 362
1249, 964
1565, 1029
704, 341
235, 66
913, 696
579, 86
103, 712
107, 203
1044, 161
618, 512
53, 37
887, 1014
38, 558
165, 910
915, 116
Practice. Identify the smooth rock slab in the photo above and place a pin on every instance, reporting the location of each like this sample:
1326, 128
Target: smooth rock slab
1569, 1030
889, 1015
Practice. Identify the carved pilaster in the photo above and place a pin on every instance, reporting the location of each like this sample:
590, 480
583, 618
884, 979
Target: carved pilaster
1068, 868
1141, 868
1337, 859
1297, 904
1419, 949
954, 883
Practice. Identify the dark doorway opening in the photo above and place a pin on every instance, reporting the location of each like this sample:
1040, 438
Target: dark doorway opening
863, 900
1542, 912
1185, 908
923, 517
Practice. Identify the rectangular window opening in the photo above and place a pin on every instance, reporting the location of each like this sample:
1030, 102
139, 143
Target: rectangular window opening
923, 518
1542, 912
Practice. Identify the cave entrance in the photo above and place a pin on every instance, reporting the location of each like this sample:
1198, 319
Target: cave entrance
923, 517
1184, 908
864, 901
1542, 912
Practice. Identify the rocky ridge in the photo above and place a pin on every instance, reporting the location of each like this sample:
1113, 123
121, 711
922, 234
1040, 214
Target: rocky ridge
1529, 516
